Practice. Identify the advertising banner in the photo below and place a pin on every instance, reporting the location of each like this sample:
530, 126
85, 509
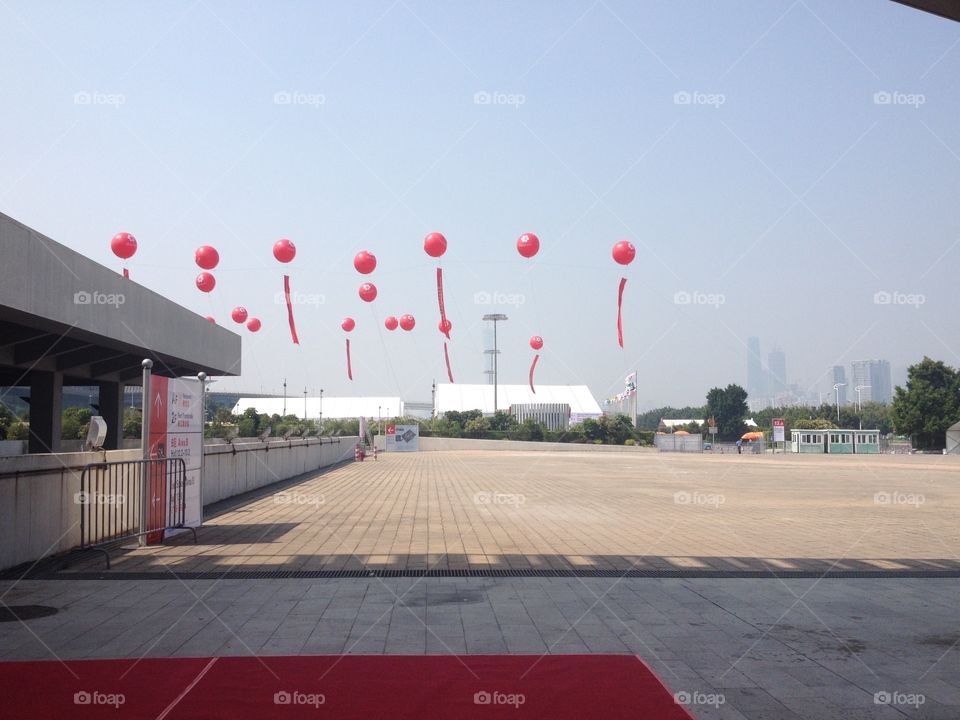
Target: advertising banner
403, 438
176, 430
778, 430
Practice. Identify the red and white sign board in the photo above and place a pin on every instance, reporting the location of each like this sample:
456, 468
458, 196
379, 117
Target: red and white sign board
778, 430
176, 430
403, 438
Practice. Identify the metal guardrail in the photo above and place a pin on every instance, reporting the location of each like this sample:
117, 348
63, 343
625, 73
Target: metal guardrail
112, 501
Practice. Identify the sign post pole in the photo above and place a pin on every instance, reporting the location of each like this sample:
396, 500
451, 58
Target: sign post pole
147, 365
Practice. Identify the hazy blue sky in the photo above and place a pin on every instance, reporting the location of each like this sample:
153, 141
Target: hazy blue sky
785, 186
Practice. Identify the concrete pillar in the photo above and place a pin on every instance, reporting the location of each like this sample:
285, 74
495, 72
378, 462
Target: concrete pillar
111, 409
46, 411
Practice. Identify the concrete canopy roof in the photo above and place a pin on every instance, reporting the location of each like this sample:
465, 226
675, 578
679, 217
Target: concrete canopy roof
62, 312
949, 9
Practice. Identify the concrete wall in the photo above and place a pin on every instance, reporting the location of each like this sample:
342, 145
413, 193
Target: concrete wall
39, 515
435, 443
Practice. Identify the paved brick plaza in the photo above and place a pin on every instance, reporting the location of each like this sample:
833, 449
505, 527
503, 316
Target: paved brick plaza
590, 510
784, 648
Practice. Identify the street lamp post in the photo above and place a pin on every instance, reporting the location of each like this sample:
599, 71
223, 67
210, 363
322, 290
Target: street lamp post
836, 389
321, 412
495, 318
858, 388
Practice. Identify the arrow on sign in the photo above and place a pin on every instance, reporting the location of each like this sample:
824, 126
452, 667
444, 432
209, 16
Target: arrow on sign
158, 404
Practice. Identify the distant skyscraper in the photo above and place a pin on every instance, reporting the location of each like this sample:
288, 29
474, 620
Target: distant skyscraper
840, 377
880, 380
777, 366
875, 374
755, 379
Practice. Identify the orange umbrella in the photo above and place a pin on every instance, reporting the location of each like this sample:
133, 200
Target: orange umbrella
754, 435
681, 432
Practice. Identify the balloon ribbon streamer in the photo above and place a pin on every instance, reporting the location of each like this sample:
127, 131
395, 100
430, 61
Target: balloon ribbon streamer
293, 325
533, 366
443, 312
623, 283
446, 357
349, 366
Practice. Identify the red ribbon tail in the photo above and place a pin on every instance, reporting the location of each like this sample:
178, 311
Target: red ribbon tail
623, 284
446, 357
349, 366
293, 325
533, 366
126, 273
443, 311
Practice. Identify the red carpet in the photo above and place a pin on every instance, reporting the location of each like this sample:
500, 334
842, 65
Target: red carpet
352, 686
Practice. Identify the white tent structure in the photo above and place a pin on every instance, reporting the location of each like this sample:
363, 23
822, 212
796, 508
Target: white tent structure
331, 408
953, 439
480, 397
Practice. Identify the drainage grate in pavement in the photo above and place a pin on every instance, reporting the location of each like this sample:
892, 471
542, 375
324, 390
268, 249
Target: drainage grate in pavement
17, 613
494, 573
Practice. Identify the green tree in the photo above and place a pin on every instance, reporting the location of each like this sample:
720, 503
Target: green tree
729, 406
476, 427
502, 420
74, 423
18, 431
928, 405
7, 419
132, 422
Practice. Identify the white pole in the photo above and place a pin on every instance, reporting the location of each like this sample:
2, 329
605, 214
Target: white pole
147, 365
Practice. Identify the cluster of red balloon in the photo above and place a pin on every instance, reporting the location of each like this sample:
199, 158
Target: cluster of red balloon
284, 251
528, 245
406, 322
240, 316
623, 254
435, 245
124, 245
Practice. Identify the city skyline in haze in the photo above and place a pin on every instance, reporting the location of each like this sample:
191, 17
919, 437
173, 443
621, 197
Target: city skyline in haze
785, 171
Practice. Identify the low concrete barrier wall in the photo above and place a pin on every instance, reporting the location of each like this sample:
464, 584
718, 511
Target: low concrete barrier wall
39, 515
437, 443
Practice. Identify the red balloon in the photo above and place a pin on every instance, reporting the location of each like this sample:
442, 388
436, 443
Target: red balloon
368, 292
239, 314
210, 318
445, 326
284, 250
124, 245
407, 322
253, 324
207, 257
536, 342
435, 244
528, 245
348, 324
365, 262
206, 282
390, 323
624, 252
